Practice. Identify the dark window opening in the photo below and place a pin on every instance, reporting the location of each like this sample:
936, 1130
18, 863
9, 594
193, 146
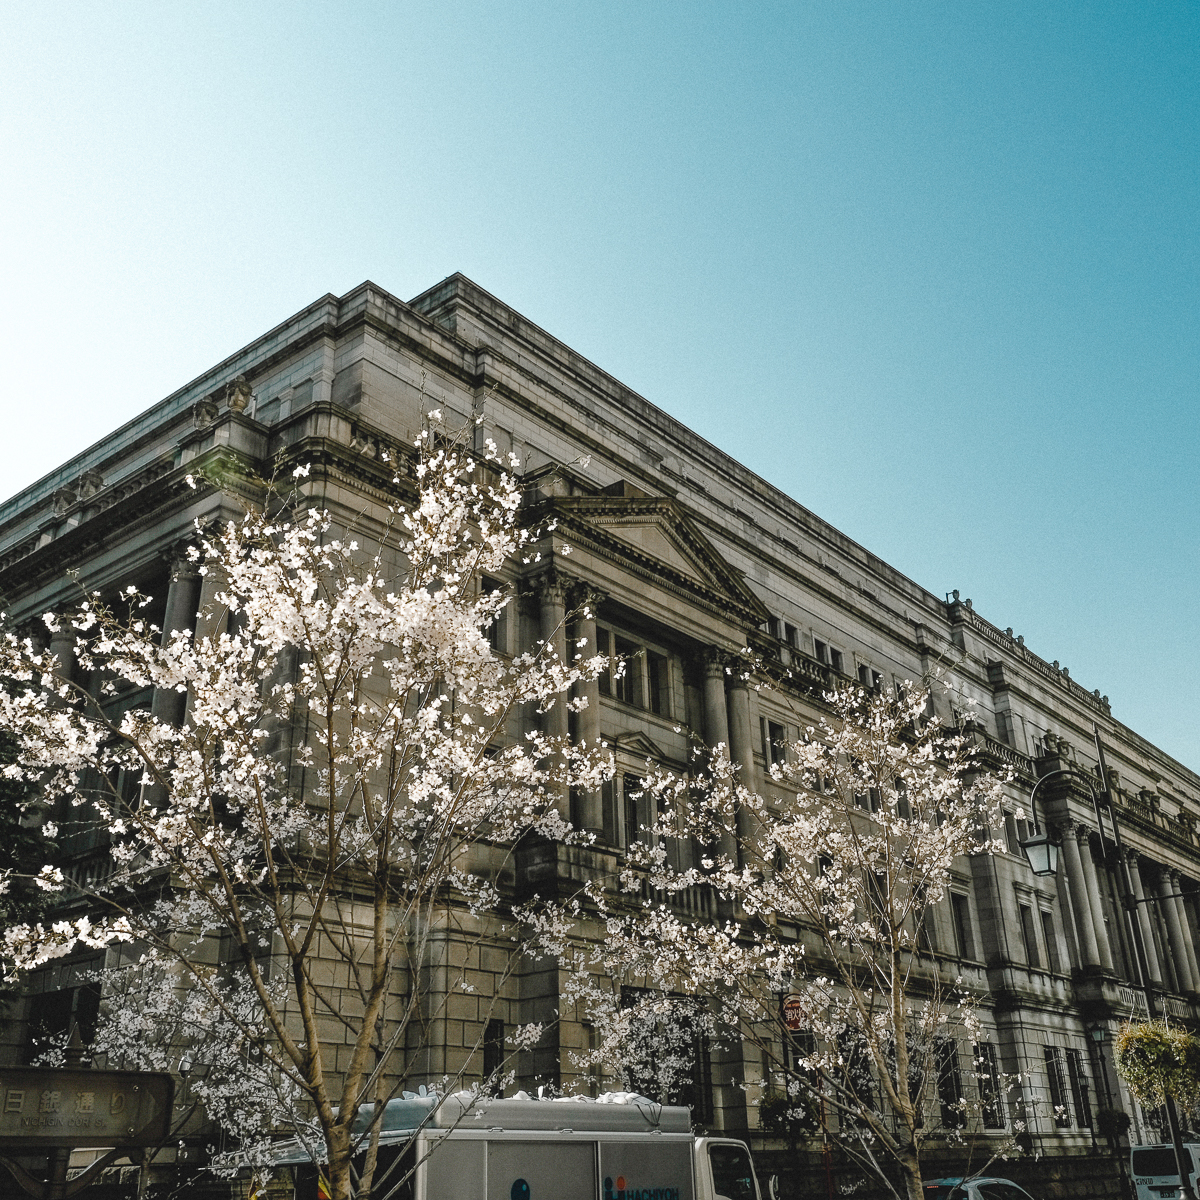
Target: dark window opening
1058, 1090
774, 736
628, 685
52, 1014
670, 1056
1052, 957
1029, 937
493, 1057
960, 907
659, 677
1080, 1089
631, 792
950, 1093
991, 1096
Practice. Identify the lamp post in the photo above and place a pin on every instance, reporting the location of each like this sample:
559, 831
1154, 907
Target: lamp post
1033, 848
1041, 850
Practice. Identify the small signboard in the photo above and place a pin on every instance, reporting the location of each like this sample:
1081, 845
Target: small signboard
792, 1010
44, 1107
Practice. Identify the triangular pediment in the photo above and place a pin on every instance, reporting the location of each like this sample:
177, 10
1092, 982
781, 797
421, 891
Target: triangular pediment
652, 535
638, 745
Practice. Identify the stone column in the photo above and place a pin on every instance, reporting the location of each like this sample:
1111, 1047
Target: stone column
741, 750
716, 726
212, 619
552, 611
62, 646
1088, 946
1170, 910
1143, 920
183, 598
1185, 929
589, 718
1094, 899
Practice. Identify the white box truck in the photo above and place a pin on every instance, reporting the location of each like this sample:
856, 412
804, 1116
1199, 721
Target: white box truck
618, 1148
1156, 1173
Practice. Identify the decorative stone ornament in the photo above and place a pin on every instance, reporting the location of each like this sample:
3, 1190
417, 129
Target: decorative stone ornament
238, 393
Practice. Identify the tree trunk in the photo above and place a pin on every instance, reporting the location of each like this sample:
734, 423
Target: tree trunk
910, 1164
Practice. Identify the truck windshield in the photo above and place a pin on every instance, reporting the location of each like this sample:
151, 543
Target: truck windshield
1155, 1160
733, 1176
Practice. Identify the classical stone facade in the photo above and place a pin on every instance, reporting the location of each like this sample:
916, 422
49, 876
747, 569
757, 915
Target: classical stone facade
693, 558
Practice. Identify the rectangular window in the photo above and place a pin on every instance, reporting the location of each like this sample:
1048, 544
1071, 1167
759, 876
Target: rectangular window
495, 632
631, 787
991, 1096
608, 803
1052, 959
774, 735
1010, 833
961, 909
835, 660
775, 627
658, 673
1029, 936
949, 1084
820, 650
791, 635
604, 646
493, 1058
1058, 1088
927, 936
869, 677
1080, 1089
628, 685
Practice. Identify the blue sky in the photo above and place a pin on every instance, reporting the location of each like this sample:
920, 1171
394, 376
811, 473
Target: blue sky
930, 268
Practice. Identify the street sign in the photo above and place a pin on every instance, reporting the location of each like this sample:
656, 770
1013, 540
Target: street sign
792, 1009
45, 1107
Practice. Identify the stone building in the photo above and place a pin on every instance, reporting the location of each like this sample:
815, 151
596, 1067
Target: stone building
695, 558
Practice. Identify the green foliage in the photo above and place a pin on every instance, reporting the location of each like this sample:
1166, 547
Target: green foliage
1157, 1060
1112, 1122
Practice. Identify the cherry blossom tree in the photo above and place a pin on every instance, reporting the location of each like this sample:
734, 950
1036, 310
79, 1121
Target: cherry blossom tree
306, 867
825, 888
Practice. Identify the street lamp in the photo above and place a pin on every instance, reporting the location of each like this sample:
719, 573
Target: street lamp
1041, 850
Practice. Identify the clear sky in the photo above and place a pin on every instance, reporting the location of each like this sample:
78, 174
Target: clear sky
930, 268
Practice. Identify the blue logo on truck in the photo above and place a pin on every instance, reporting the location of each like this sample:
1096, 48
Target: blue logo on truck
623, 1192
520, 1190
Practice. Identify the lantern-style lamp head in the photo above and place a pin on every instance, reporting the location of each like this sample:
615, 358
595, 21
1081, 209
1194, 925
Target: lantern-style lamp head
1042, 853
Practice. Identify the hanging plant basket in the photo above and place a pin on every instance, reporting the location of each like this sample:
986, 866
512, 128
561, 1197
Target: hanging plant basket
1157, 1060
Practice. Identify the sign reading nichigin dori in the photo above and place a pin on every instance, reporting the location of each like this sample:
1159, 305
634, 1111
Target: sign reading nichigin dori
83, 1108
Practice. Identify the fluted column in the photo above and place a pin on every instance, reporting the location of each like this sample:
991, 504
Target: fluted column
1169, 906
552, 610
62, 646
729, 1059
1093, 897
1143, 920
716, 715
183, 599
1086, 930
741, 749
716, 727
1185, 929
212, 618
589, 718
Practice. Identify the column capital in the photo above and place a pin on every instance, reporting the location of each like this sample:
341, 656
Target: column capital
583, 594
552, 586
182, 561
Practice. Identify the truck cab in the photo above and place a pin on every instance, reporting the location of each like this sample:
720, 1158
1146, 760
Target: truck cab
465, 1147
